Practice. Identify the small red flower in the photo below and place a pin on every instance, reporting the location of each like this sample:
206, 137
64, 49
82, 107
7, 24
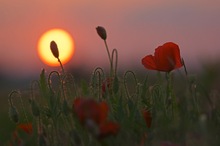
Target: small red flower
147, 117
166, 58
26, 127
90, 109
94, 115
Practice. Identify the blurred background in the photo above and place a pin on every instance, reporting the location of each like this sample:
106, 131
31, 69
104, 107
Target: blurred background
135, 28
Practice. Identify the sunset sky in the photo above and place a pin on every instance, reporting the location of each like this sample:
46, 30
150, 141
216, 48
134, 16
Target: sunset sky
134, 27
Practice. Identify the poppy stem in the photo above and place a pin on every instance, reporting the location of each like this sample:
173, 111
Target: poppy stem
170, 96
125, 83
49, 79
61, 65
109, 57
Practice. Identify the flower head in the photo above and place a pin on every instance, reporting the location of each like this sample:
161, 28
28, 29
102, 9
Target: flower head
101, 32
93, 115
54, 49
166, 58
90, 109
26, 127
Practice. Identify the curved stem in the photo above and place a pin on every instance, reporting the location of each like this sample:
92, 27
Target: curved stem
49, 78
99, 71
99, 68
10, 96
22, 104
125, 84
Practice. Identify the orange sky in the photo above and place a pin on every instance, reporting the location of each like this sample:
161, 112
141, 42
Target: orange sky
134, 27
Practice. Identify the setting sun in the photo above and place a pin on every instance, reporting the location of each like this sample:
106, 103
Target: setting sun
65, 45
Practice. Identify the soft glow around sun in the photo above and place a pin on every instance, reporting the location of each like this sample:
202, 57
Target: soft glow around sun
65, 45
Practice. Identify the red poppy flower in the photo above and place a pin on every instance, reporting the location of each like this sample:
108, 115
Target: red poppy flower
94, 115
166, 58
90, 109
147, 117
26, 127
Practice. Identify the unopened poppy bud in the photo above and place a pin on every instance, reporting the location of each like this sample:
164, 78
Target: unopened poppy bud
54, 49
101, 32
13, 114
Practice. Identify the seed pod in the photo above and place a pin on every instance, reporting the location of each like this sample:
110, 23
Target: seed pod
101, 32
54, 49
13, 114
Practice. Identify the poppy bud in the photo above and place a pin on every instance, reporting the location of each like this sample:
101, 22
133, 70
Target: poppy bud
54, 49
101, 32
13, 114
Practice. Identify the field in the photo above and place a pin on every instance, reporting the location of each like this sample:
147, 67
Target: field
165, 106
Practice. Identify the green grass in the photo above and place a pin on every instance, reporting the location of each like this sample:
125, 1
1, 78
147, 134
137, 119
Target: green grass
192, 120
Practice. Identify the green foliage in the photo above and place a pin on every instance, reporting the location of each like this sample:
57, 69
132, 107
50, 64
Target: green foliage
188, 117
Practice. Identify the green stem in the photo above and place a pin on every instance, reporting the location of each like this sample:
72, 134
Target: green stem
110, 59
61, 65
170, 94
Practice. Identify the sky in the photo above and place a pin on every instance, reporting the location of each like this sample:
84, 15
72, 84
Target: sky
134, 27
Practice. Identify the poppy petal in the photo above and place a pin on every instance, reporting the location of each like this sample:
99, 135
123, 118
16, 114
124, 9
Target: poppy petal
26, 127
103, 111
109, 128
166, 58
147, 117
149, 62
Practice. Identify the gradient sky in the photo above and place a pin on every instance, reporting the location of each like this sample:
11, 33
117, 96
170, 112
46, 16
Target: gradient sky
134, 27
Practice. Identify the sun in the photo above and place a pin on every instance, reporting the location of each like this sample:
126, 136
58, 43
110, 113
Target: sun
65, 45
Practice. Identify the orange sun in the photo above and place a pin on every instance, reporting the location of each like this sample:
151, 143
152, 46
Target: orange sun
65, 45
